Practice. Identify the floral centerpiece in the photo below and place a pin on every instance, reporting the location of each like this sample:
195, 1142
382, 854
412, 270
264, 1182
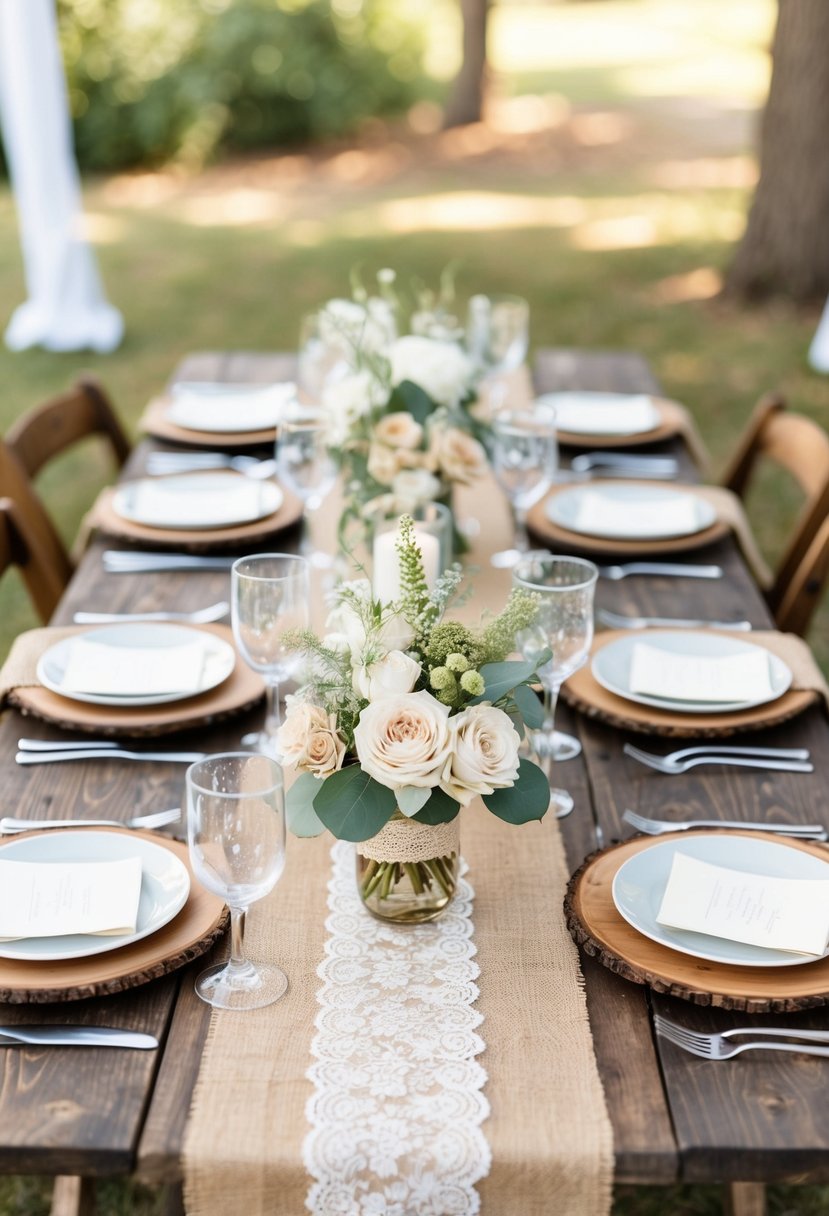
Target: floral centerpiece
404, 719
398, 406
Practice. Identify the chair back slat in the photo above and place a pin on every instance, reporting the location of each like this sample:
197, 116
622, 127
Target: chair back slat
18, 547
48, 429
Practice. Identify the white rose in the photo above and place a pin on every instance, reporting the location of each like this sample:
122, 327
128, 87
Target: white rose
308, 738
441, 369
459, 456
415, 486
484, 755
395, 633
399, 430
394, 673
350, 326
346, 401
404, 740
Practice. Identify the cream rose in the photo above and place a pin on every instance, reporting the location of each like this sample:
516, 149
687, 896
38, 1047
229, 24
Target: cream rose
459, 456
383, 464
395, 673
308, 738
484, 755
399, 430
441, 369
404, 740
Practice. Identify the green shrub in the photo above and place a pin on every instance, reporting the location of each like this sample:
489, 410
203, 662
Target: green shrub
153, 80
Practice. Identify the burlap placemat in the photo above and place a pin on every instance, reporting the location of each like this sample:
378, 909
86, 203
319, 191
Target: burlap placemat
680, 418
247, 1121
729, 508
20, 667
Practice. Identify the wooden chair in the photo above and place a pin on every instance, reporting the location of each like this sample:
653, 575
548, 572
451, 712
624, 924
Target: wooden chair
33, 519
805, 590
19, 547
801, 447
46, 430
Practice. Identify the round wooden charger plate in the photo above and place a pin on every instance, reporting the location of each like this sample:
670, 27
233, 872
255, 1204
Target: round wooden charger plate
155, 422
241, 690
565, 540
198, 925
601, 931
668, 427
584, 692
190, 540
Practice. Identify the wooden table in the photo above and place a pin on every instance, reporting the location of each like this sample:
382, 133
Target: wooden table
757, 1119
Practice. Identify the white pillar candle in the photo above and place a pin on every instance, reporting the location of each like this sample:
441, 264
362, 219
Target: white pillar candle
386, 563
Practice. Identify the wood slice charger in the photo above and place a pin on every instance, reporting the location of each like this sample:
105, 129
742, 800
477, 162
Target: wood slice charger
601, 931
106, 520
584, 692
190, 933
157, 423
242, 689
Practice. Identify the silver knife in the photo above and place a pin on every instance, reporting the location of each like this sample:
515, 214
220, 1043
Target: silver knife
114, 753
75, 1036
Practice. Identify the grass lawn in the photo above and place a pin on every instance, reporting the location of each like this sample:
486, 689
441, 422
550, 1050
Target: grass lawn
608, 186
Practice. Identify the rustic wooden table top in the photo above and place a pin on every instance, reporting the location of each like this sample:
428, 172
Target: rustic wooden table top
759, 1117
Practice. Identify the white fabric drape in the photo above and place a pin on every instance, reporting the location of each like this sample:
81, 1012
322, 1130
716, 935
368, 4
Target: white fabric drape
819, 350
66, 308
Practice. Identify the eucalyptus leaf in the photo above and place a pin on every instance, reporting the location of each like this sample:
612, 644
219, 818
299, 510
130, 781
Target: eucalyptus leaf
411, 398
352, 805
531, 708
528, 799
410, 799
439, 809
502, 678
301, 817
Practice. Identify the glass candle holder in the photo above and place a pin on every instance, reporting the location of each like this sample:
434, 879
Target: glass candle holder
433, 532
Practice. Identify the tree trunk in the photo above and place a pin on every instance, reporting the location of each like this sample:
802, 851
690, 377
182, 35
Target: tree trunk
785, 249
466, 101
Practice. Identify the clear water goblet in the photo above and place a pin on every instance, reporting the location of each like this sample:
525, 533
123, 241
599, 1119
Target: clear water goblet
305, 465
236, 837
270, 595
498, 338
564, 624
524, 454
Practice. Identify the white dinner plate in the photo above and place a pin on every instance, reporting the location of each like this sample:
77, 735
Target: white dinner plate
226, 409
165, 885
156, 641
590, 413
640, 883
194, 501
611, 667
652, 503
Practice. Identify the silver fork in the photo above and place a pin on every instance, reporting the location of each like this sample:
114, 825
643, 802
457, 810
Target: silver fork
658, 827
616, 620
158, 819
713, 755
671, 569
666, 1026
717, 1047
202, 616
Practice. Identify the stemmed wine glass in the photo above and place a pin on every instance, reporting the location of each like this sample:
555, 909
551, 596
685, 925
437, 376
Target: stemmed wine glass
305, 465
497, 338
524, 453
236, 836
270, 595
564, 624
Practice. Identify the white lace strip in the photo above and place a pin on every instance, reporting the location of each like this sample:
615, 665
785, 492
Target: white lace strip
397, 1106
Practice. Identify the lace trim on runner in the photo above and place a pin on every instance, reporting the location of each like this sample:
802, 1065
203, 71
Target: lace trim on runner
397, 1106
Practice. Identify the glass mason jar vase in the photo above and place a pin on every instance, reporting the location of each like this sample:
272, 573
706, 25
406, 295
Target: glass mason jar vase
408, 872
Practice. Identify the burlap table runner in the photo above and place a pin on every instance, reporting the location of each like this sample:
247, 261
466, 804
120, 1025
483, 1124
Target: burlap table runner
549, 1132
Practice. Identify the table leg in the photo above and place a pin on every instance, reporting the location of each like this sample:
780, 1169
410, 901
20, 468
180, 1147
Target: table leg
746, 1199
73, 1196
